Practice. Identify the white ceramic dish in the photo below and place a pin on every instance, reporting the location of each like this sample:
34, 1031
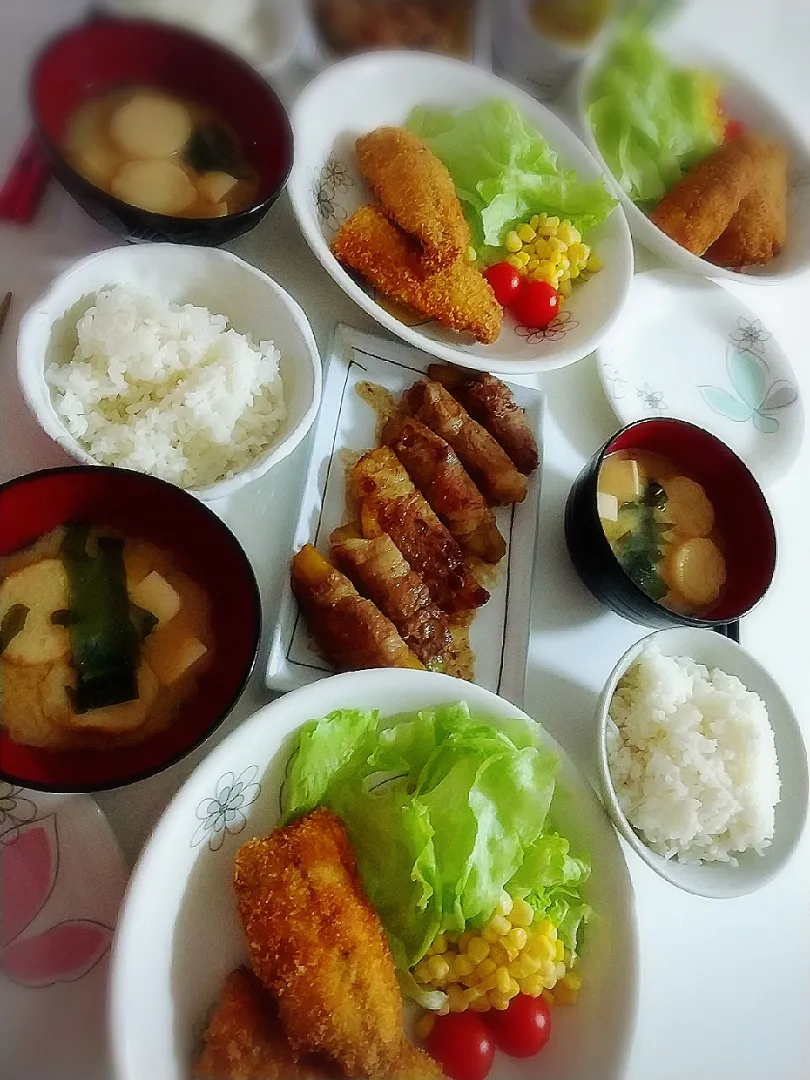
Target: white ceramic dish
689, 349
278, 26
360, 94
720, 880
499, 635
746, 102
181, 894
252, 301
63, 881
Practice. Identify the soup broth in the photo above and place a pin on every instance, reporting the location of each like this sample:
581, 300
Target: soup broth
102, 637
161, 154
661, 527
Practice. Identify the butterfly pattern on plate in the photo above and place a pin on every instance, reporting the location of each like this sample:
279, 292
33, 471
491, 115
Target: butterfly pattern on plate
752, 396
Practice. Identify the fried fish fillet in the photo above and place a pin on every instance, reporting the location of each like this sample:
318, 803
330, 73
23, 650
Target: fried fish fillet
378, 569
758, 230
316, 942
244, 1039
698, 209
480, 454
458, 296
435, 469
490, 401
389, 503
416, 192
349, 630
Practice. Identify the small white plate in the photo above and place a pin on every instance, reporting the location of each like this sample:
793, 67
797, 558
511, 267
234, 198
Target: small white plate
62, 880
687, 348
179, 933
357, 95
499, 635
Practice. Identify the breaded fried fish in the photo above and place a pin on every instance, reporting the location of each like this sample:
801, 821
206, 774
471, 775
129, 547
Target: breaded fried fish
458, 296
349, 630
417, 192
700, 206
758, 230
244, 1039
316, 942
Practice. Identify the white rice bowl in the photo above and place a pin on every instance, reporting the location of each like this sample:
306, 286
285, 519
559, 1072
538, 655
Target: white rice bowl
692, 759
167, 389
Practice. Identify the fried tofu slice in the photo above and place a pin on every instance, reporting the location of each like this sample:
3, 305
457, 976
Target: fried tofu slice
389, 503
482, 457
435, 469
490, 401
245, 1040
378, 570
757, 232
350, 630
698, 209
458, 296
315, 941
417, 192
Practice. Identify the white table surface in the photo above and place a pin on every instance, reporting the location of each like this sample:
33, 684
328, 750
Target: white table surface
725, 986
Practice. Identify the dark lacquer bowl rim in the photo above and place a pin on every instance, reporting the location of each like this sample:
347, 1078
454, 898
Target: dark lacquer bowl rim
163, 222
255, 616
678, 618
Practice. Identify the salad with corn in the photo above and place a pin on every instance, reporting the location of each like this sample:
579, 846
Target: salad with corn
548, 249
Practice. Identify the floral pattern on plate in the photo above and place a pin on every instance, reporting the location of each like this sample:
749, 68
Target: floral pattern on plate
223, 815
556, 329
333, 180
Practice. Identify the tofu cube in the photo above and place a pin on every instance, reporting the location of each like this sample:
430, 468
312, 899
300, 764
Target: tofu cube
622, 478
172, 662
214, 186
156, 595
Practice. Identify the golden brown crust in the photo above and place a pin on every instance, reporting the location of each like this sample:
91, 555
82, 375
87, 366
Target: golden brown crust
757, 232
416, 192
458, 296
700, 206
316, 942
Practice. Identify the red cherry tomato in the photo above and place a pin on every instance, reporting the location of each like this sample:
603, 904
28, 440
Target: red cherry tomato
505, 281
733, 129
537, 304
524, 1028
462, 1045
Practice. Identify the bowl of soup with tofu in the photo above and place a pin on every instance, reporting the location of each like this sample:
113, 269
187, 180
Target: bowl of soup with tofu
159, 134
666, 526
129, 623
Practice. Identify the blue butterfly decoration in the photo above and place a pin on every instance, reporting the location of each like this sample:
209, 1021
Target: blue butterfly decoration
753, 398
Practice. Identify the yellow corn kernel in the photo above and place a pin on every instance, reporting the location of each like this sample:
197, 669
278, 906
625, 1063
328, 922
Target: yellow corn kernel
465, 939
565, 262
564, 287
576, 253
524, 966
517, 937
498, 1001
463, 965
481, 1004
537, 221
553, 222
532, 265
486, 968
559, 951
498, 953
522, 914
500, 924
503, 979
549, 231
438, 967
526, 233
572, 981
532, 985
469, 980
439, 945
472, 254
443, 1009
514, 262
421, 972
544, 272
505, 904
594, 264
457, 1000
523, 258
542, 947
487, 984
478, 950
424, 1025
559, 971
548, 973
513, 242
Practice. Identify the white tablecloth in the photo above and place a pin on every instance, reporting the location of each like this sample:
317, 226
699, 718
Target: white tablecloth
725, 986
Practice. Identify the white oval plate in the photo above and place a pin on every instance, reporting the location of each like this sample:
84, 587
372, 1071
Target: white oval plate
687, 348
357, 95
179, 934
61, 879
744, 101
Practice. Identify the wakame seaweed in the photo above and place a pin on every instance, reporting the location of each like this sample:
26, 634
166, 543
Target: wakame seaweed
104, 639
640, 550
212, 149
11, 625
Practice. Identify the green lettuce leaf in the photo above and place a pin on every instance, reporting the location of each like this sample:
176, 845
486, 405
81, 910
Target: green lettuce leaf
652, 121
504, 172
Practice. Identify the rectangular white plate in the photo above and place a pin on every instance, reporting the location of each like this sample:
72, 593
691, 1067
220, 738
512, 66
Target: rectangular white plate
499, 635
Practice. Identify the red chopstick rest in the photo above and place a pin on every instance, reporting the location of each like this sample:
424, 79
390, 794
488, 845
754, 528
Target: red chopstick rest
23, 189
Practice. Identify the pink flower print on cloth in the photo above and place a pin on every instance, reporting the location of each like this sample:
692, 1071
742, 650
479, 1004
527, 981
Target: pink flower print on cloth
64, 952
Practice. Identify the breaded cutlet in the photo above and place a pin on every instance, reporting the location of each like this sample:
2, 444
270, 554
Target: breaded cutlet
758, 230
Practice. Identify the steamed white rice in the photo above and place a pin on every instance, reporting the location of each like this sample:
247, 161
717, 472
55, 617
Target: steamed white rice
168, 389
692, 758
